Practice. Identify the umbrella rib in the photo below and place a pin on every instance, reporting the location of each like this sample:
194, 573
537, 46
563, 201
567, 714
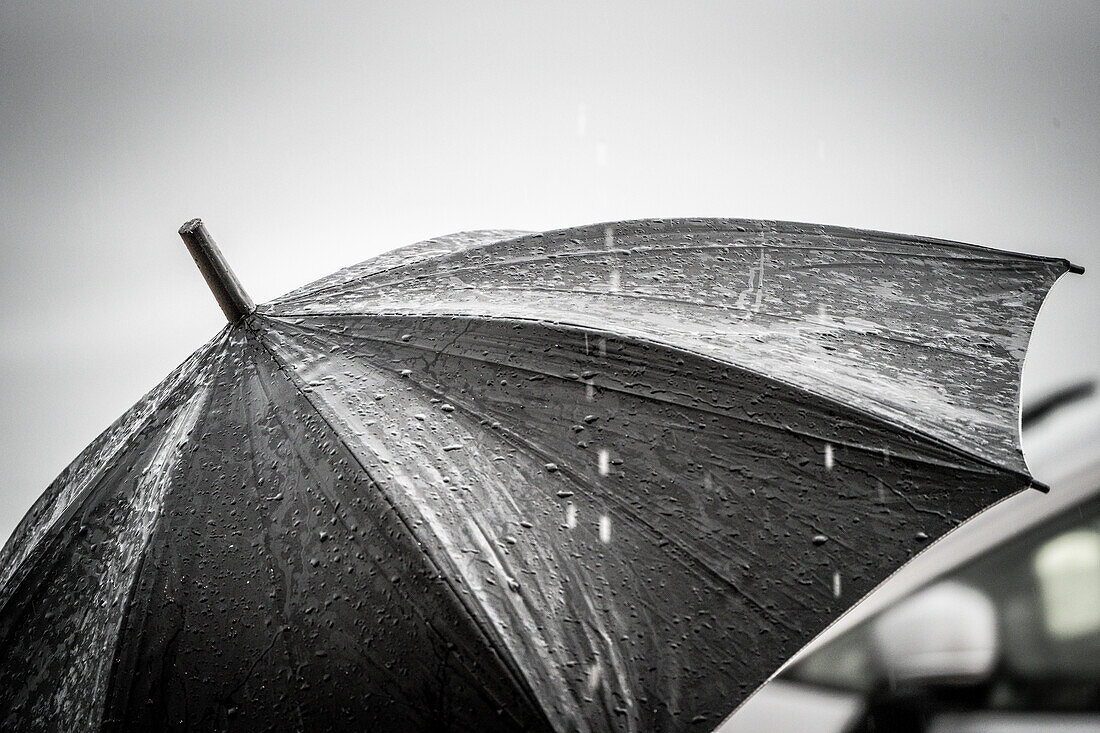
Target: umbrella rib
501, 650
620, 252
939, 442
781, 227
886, 334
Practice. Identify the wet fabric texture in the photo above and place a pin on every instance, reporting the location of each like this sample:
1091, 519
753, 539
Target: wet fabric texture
602, 478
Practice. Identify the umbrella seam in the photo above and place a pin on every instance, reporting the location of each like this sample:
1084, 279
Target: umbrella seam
708, 408
142, 556
886, 334
939, 442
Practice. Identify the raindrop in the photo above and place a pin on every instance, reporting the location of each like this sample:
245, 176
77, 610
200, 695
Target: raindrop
446, 407
836, 585
601, 154
829, 456
570, 515
605, 529
820, 539
551, 467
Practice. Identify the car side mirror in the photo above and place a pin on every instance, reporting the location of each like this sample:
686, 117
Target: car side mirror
945, 634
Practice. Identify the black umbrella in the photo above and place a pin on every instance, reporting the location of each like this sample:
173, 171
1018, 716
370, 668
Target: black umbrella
601, 478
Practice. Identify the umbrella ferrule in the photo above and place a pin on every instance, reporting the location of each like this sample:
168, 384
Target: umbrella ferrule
227, 289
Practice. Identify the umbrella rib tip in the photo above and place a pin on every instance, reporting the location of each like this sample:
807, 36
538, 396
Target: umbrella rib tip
1040, 486
1076, 269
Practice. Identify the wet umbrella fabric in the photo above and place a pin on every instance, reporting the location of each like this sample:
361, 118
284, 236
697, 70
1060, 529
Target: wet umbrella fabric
602, 478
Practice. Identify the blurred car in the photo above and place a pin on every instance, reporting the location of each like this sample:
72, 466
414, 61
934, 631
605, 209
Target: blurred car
995, 628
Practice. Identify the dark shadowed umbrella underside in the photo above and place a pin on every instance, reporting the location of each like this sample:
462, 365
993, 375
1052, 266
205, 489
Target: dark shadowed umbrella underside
602, 478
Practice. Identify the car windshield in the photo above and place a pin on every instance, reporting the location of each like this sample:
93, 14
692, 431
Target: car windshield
1045, 586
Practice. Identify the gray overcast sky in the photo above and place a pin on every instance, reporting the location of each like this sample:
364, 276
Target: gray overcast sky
313, 135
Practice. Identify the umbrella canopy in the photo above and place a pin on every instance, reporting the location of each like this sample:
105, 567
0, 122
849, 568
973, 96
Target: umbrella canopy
601, 478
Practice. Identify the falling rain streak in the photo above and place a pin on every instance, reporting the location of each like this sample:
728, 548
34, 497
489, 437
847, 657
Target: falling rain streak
594, 676
605, 529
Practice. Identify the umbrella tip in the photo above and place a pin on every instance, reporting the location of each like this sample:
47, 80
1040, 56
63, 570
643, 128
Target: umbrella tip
227, 289
1040, 486
1076, 269
190, 226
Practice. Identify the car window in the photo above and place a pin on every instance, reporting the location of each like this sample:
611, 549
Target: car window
1045, 586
